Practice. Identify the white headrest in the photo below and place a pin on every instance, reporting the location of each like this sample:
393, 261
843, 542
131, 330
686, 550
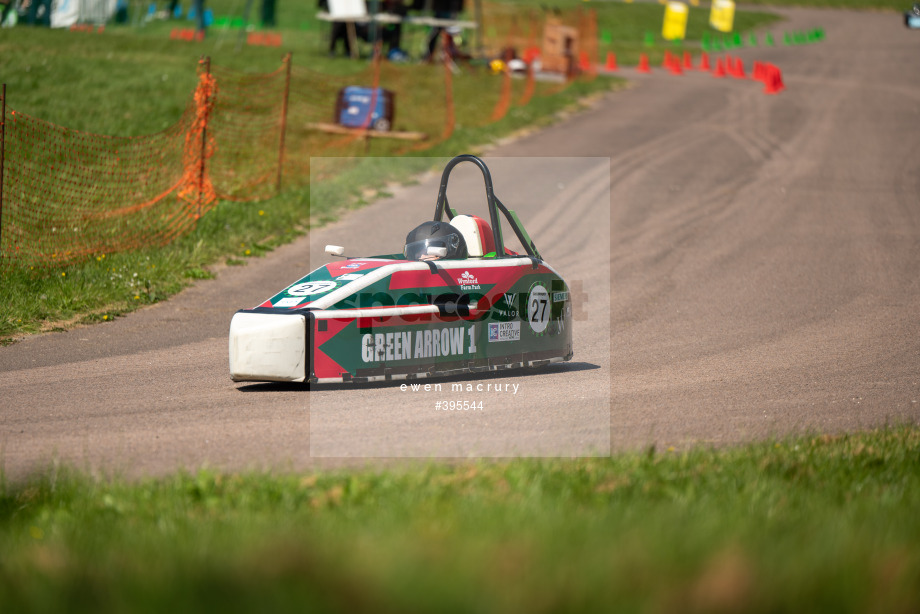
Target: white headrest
470, 231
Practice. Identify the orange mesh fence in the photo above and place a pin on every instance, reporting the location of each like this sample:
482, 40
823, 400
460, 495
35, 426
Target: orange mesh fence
68, 195
311, 103
247, 130
312, 123
530, 49
511, 34
196, 187
343, 142
439, 108
509, 52
437, 99
506, 31
504, 99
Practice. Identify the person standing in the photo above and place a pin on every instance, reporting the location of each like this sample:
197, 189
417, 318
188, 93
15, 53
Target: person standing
201, 26
268, 13
6, 7
39, 13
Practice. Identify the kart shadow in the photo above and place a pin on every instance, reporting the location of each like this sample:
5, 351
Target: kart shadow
554, 369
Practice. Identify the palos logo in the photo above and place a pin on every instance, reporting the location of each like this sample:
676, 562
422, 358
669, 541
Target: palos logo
468, 282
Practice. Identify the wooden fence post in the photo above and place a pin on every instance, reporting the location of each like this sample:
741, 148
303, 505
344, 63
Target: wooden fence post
284, 112
204, 139
2, 156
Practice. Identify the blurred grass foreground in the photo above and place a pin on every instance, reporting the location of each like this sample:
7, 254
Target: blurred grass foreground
810, 524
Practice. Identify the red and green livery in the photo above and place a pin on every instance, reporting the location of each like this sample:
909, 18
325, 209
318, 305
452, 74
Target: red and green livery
388, 317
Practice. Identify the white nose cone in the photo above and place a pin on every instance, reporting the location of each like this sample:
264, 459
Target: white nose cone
268, 347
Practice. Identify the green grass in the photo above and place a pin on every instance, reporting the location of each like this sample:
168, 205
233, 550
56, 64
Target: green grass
816, 524
133, 80
112, 284
623, 28
807, 524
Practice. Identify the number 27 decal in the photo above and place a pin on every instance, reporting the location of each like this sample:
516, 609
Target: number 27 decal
537, 312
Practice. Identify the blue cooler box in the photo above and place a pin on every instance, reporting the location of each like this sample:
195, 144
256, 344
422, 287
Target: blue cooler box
354, 103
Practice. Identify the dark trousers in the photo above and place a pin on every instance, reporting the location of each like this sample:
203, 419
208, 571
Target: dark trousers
34, 18
268, 13
5, 9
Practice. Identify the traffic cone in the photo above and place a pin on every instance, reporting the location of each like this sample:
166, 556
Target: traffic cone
611, 64
720, 69
688, 61
666, 62
643, 64
739, 69
672, 63
774, 82
704, 62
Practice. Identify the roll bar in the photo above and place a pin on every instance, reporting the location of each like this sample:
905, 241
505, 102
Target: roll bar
495, 205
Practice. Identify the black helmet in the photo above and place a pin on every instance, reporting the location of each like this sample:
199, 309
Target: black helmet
434, 234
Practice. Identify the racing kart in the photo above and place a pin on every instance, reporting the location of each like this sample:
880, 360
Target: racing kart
417, 314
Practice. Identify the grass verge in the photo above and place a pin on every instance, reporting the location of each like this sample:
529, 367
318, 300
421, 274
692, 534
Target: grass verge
113, 284
805, 524
135, 80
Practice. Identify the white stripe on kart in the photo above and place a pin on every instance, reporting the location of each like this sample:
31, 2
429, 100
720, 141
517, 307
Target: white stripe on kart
385, 271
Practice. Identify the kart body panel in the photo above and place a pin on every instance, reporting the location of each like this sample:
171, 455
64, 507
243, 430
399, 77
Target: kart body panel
385, 317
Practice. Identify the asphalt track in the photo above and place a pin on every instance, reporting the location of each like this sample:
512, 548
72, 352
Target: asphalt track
748, 265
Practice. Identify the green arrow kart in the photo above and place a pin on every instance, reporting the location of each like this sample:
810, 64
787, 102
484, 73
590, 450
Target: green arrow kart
455, 301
